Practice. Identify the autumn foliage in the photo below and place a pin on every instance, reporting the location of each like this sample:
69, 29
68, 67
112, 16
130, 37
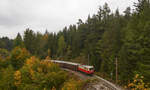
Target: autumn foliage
17, 77
138, 83
25, 72
72, 84
36, 74
18, 57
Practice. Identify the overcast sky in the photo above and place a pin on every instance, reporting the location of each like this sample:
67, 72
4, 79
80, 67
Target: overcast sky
53, 15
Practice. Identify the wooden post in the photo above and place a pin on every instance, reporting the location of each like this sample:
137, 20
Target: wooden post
116, 70
88, 59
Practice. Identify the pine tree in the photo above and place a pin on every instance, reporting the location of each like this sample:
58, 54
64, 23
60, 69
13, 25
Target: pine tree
29, 41
18, 41
135, 51
61, 46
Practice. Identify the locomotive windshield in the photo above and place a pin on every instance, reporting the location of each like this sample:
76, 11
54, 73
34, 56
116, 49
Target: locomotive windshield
91, 68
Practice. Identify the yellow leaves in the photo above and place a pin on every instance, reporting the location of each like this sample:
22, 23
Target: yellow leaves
45, 36
41, 66
24, 50
142, 76
48, 58
31, 61
138, 83
32, 74
130, 85
135, 81
23, 53
49, 53
17, 77
18, 57
137, 75
39, 69
125, 87
53, 88
71, 85
46, 63
20, 52
40, 73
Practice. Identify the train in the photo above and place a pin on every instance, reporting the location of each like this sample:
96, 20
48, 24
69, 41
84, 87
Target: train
87, 69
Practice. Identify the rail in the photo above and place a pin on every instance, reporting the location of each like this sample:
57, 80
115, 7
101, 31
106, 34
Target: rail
109, 85
103, 83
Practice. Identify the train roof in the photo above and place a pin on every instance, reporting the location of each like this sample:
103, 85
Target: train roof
59, 61
65, 62
87, 66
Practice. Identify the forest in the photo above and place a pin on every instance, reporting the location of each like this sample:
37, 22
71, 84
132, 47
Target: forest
99, 41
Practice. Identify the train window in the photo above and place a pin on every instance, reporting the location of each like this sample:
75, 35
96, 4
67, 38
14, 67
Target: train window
91, 68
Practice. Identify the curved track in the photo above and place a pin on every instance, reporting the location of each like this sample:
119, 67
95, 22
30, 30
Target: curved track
102, 84
108, 85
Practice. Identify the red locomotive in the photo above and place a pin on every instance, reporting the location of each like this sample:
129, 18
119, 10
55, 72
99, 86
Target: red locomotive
75, 66
86, 69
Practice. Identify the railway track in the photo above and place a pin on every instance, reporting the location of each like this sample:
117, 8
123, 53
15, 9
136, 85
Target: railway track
102, 84
106, 84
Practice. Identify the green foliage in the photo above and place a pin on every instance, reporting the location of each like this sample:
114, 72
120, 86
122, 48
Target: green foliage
29, 40
18, 57
7, 79
41, 74
72, 85
4, 56
68, 53
40, 41
18, 41
4, 53
6, 43
138, 83
33, 75
61, 46
135, 50
98, 41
